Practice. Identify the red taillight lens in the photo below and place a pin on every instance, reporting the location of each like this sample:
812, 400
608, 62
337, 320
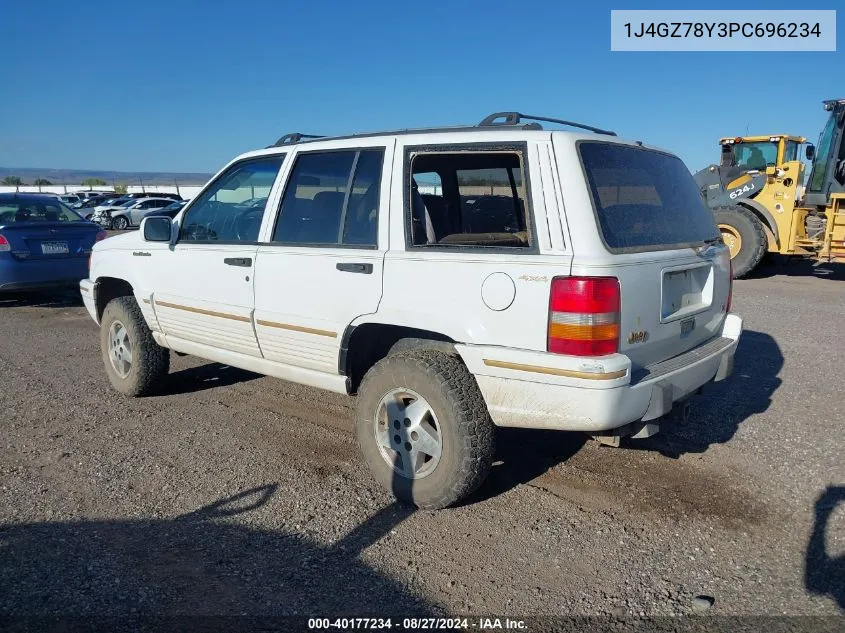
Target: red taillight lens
4, 244
584, 316
730, 286
101, 236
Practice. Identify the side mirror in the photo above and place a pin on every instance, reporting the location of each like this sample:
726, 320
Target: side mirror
810, 152
156, 229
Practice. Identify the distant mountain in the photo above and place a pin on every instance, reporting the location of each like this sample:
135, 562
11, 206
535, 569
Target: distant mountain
76, 176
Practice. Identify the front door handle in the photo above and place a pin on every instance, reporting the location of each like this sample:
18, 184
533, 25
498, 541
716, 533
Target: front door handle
364, 269
246, 262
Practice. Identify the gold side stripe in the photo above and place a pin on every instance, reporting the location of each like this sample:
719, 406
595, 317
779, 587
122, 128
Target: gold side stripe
569, 373
145, 300
297, 328
83, 288
222, 315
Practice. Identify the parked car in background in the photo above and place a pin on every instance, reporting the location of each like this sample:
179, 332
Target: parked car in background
170, 210
43, 243
154, 194
102, 211
86, 208
87, 195
68, 198
130, 213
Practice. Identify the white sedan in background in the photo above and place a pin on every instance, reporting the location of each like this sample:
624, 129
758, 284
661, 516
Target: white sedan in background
124, 213
131, 213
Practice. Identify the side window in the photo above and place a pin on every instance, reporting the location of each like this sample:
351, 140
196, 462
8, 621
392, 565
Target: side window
219, 215
332, 198
473, 198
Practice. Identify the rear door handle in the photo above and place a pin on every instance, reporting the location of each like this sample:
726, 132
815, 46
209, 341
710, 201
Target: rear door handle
246, 262
364, 269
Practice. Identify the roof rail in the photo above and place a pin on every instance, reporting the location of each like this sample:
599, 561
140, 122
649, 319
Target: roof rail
515, 118
295, 137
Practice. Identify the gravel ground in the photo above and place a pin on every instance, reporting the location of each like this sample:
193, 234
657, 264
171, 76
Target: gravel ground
231, 493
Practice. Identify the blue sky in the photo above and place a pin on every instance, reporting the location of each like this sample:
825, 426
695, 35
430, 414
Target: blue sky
172, 85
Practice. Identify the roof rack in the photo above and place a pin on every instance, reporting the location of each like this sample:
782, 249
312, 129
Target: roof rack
295, 137
516, 118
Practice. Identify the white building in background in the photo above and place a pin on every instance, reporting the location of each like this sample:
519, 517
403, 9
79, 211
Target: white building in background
186, 191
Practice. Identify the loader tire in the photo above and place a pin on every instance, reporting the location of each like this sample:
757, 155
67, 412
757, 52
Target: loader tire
743, 233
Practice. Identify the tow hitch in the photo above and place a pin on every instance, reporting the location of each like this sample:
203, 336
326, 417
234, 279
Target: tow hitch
679, 414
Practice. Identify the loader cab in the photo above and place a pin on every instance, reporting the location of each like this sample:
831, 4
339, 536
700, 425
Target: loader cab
827, 175
744, 155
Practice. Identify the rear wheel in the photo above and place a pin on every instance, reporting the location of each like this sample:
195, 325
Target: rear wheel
423, 428
134, 362
120, 223
744, 236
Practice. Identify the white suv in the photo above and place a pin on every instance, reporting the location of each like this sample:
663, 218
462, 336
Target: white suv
455, 279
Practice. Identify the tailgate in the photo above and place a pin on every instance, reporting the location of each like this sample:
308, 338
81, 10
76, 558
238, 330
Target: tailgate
672, 303
663, 246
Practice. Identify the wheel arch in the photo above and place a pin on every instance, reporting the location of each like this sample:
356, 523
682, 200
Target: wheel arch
107, 289
765, 216
364, 344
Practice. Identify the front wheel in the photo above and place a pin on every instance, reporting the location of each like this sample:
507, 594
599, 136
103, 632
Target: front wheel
134, 362
423, 428
120, 223
743, 234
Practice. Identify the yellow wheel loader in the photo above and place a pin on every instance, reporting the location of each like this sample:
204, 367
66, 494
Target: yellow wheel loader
761, 204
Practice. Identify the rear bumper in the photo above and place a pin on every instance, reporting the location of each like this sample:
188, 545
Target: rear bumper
42, 275
539, 390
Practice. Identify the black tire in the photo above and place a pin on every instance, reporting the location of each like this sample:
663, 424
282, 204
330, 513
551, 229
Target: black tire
753, 239
468, 434
120, 223
150, 362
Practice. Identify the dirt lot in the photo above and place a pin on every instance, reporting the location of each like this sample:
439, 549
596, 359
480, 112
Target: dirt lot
233, 493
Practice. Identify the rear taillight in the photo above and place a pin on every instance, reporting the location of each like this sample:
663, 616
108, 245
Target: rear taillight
101, 236
4, 245
584, 316
730, 286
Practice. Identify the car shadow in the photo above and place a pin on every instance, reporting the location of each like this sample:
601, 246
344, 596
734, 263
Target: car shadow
825, 574
717, 413
792, 266
69, 298
203, 377
522, 455
199, 563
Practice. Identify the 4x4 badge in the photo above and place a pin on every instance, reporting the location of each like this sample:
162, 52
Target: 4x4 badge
637, 336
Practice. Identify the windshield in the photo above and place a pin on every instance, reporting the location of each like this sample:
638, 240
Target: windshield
644, 200
755, 155
19, 211
816, 182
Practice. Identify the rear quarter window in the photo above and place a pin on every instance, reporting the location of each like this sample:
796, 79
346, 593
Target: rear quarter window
644, 200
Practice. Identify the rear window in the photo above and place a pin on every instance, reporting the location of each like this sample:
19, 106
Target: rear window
644, 200
20, 211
